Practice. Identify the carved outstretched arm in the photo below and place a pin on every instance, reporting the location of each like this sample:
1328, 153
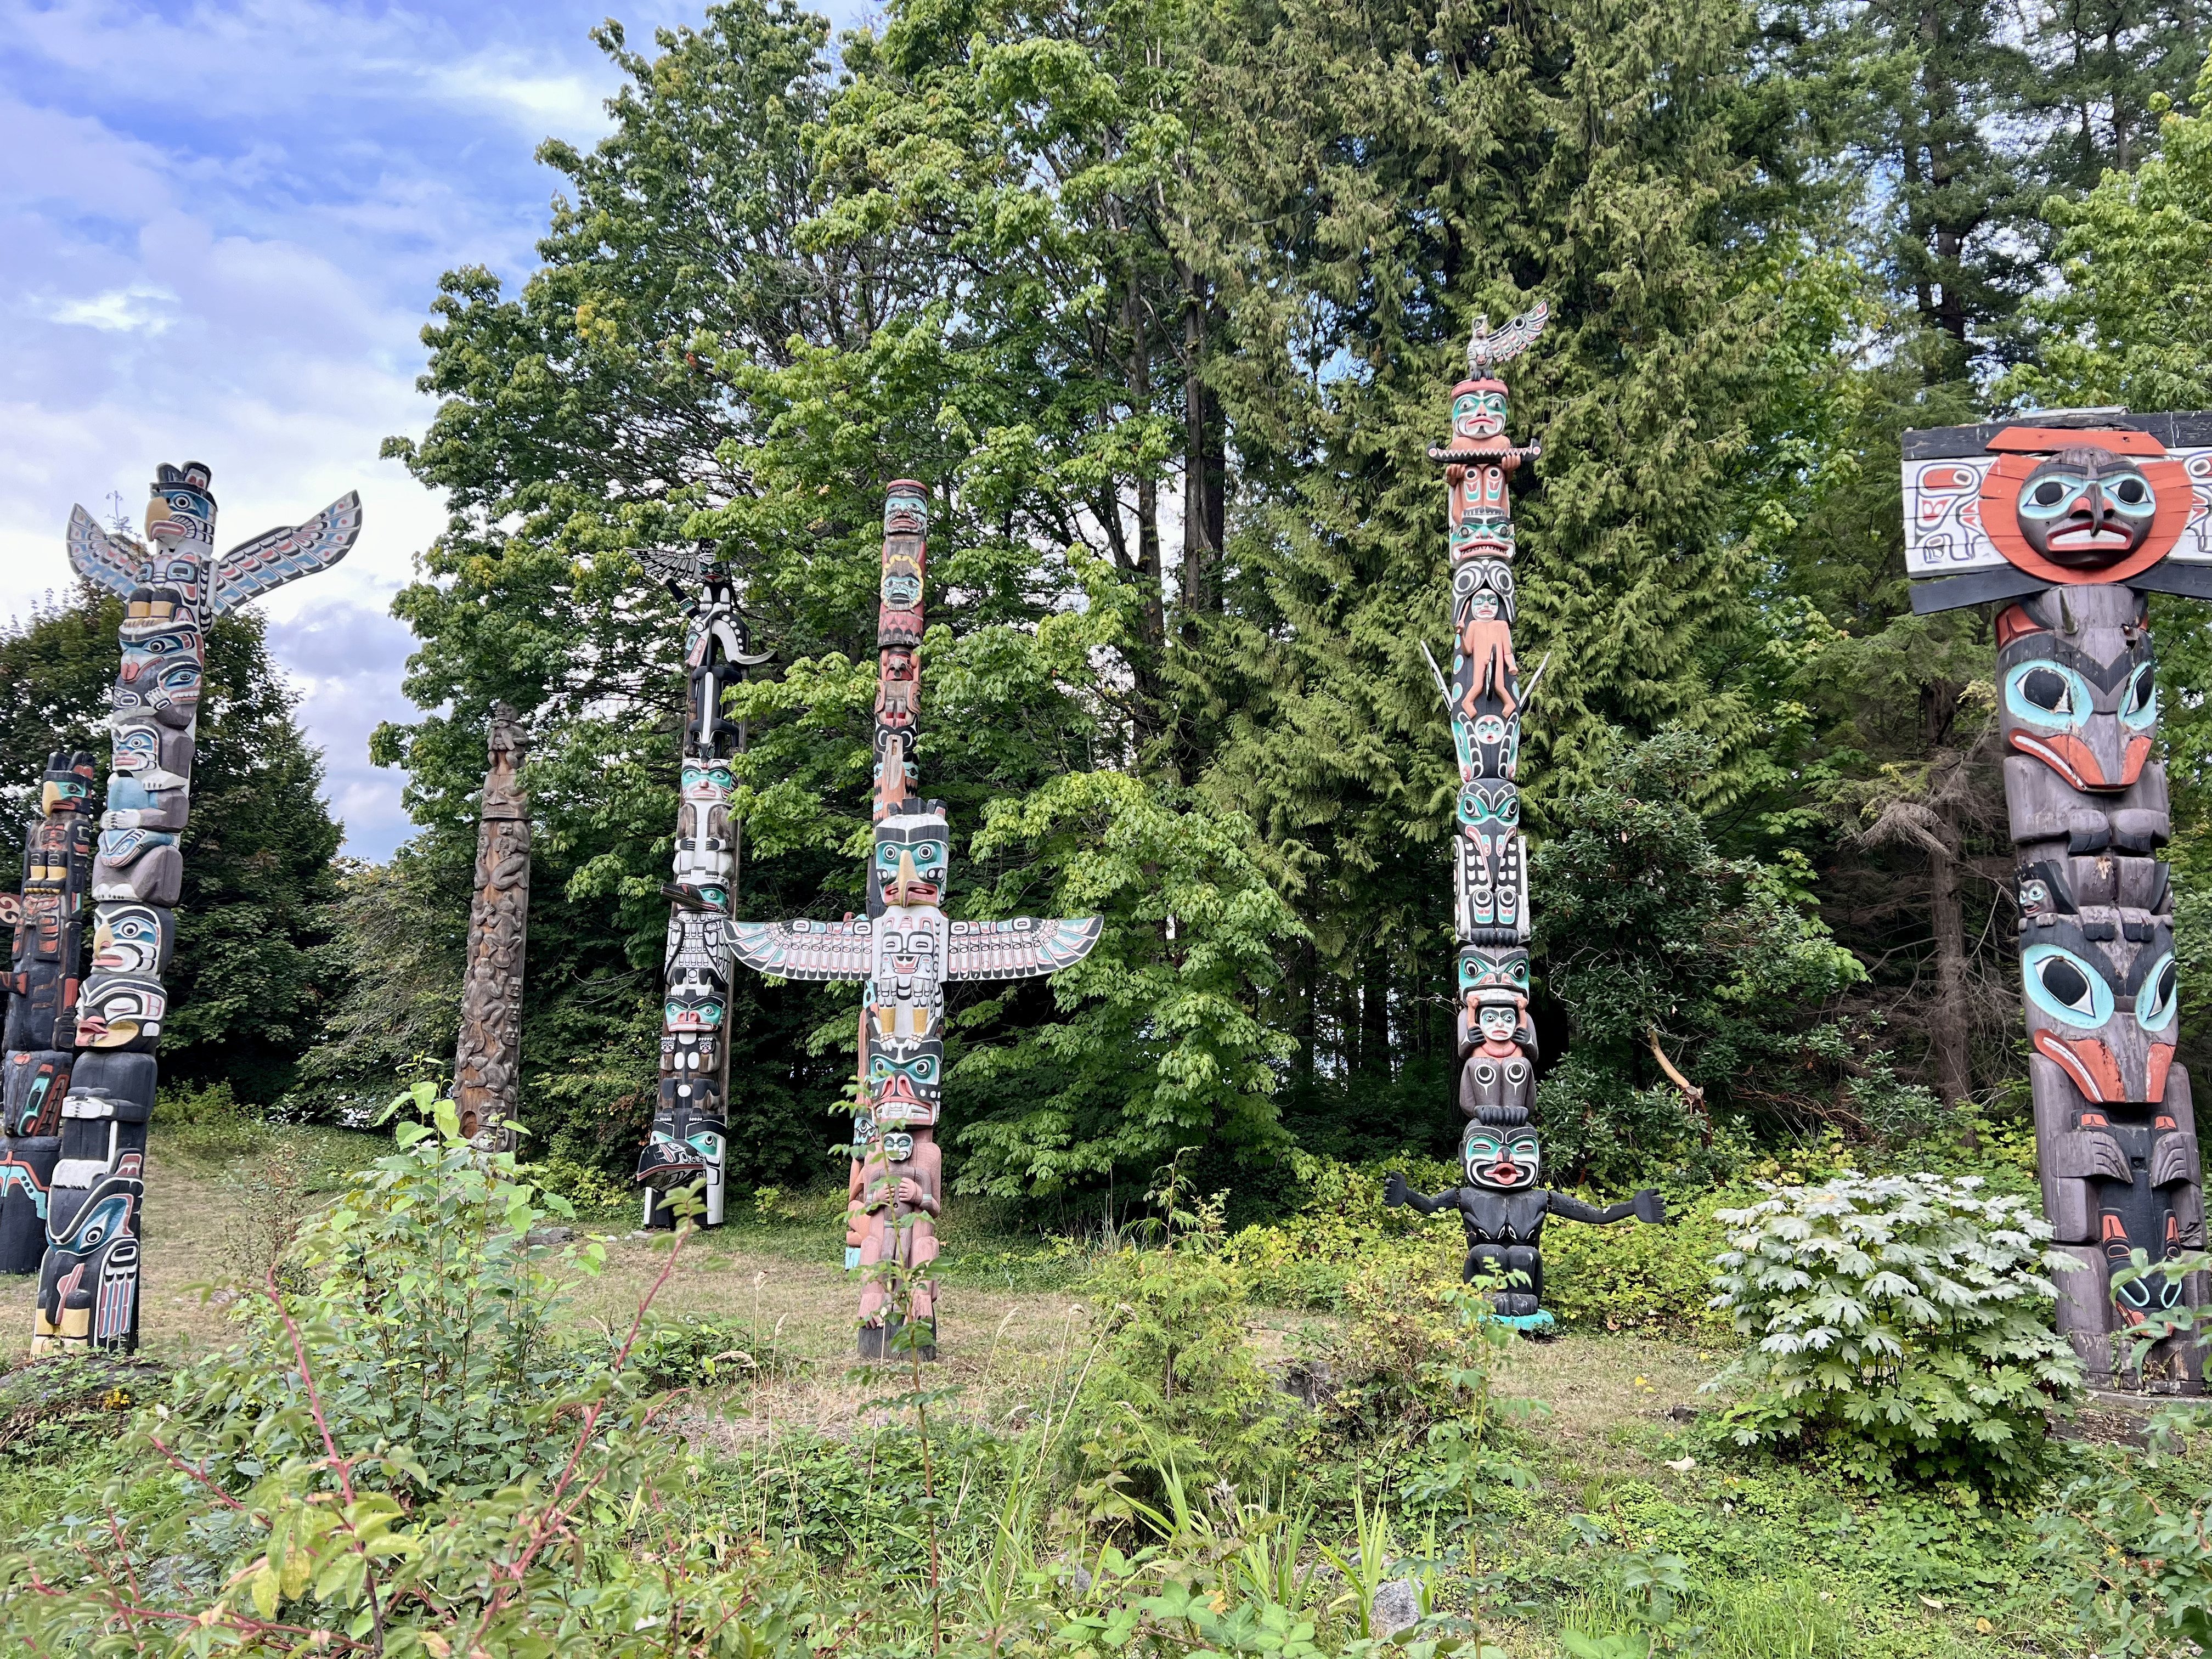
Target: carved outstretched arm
1647, 1206
1396, 1192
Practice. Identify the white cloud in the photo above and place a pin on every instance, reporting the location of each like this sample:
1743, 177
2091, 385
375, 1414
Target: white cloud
140, 308
218, 240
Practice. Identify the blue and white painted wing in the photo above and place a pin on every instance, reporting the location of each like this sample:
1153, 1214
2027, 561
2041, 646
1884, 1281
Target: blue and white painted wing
277, 556
806, 950
1021, 948
95, 555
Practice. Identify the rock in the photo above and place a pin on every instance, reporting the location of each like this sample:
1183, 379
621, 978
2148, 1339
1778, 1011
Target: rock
1312, 1381
539, 1238
1397, 1607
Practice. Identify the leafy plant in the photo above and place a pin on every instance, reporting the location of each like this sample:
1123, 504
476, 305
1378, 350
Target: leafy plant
2131, 1536
1175, 1394
398, 1462
1902, 1325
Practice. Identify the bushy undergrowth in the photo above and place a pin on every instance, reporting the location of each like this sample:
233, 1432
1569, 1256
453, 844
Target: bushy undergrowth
2131, 1536
1621, 1278
1174, 1392
1902, 1325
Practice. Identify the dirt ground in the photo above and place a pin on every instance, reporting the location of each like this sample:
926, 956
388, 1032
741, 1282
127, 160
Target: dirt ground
1004, 1353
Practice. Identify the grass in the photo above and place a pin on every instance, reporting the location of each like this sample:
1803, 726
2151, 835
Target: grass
1780, 1561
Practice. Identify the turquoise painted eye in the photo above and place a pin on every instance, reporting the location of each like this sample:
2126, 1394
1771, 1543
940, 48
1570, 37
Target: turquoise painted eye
2052, 495
2050, 697
2130, 494
1482, 808
2065, 987
2156, 1001
2139, 708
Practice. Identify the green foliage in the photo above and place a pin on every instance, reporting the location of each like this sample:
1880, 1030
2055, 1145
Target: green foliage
1163, 1048
2136, 254
1902, 1327
1655, 1279
400, 1459
1175, 1397
1654, 941
2131, 1537
252, 977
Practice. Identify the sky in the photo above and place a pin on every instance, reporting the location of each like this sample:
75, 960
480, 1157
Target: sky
219, 240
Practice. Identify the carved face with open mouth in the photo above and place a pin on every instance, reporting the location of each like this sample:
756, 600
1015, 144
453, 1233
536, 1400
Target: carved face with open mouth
1503, 1160
2087, 507
2103, 988
2088, 708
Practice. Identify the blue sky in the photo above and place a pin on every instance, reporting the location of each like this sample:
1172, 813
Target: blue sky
219, 237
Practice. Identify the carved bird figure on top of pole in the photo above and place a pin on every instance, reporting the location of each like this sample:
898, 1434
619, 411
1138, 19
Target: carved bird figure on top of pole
96, 1056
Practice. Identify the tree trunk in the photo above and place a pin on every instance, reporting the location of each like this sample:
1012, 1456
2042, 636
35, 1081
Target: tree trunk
1205, 480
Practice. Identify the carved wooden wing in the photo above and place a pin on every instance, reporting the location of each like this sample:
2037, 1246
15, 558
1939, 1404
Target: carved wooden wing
806, 950
95, 556
277, 556
1022, 948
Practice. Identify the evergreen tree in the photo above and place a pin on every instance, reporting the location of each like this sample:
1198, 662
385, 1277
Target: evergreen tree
249, 979
1373, 176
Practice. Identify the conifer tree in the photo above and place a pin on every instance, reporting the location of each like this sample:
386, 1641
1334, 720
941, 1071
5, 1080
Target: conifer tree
1374, 176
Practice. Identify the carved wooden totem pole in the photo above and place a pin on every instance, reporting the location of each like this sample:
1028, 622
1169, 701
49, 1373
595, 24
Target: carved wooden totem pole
89, 1280
2064, 521
1500, 1204
486, 1077
42, 993
904, 951
689, 1142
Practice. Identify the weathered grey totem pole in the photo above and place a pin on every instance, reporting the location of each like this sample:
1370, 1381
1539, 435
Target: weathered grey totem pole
2064, 521
42, 993
904, 951
689, 1142
1500, 1206
487, 1080
89, 1280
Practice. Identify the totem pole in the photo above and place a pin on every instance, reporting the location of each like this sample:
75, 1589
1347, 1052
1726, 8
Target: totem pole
2064, 519
1501, 1207
689, 1139
486, 1081
89, 1282
904, 951
42, 993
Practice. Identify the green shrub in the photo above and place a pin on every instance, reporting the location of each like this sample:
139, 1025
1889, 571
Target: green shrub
1902, 1325
209, 1125
398, 1460
1340, 1231
1635, 1277
2132, 1541
1176, 1396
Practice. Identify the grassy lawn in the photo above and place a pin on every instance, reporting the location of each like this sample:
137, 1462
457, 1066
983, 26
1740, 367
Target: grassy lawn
1608, 1451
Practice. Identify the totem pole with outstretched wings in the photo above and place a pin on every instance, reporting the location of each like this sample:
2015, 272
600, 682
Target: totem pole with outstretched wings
83, 1167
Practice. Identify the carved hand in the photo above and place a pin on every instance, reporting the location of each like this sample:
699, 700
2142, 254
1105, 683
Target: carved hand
1651, 1207
1393, 1189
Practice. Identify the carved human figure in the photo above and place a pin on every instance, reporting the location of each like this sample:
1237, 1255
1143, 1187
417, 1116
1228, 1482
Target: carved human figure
905, 952
901, 1199
689, 1141
1504, 1211
43, 994
2083, 514
97, 1105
